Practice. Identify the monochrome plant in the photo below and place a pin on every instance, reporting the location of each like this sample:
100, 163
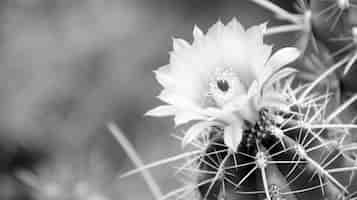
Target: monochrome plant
265, 124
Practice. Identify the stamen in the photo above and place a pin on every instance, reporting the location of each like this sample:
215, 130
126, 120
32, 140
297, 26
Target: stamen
225, 85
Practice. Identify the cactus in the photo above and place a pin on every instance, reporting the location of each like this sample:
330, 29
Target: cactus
299, 146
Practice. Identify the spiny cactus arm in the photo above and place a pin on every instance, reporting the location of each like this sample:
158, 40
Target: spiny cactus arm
341, 108
340, 36
296, 170
329, 162
280, 12
226, 185
323, 76
300, 22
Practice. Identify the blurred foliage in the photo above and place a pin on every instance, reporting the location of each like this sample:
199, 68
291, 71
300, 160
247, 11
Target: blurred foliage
67, 67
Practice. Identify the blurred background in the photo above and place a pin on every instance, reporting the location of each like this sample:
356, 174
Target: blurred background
67, 67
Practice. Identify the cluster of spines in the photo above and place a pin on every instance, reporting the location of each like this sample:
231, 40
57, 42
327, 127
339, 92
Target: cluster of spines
292, 145
305, 136
302, 144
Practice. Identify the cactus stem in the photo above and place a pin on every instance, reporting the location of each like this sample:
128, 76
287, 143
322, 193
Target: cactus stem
324, 172
262, 162
315, 136
302, 125
300, 150
332, 159
209, 164
219, 174
294, 167
277, 10
328, 162
322, 77
277, 132
246, 176
296, 177
274, 145
307, 20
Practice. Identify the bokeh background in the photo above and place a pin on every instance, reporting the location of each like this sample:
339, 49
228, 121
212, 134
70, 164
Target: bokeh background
67, 67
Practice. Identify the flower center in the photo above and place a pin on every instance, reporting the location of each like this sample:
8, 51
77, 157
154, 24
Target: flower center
225, 86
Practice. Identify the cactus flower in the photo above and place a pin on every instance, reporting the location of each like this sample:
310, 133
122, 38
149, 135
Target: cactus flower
223, 78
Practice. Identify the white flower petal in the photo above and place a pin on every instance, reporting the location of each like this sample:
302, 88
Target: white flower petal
233, 135
163, 76
282, 74
259, 58
216, 30
188, 78
226, 115
197, 130
183, 117
180, 44
278, 60
248, 111
276, 77
255, 34
235, 26
282, 57
162, 111
241, 106
179, 100
197, 33
275, 100
254, 89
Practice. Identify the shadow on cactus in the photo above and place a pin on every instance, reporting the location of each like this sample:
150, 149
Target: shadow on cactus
256, 130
